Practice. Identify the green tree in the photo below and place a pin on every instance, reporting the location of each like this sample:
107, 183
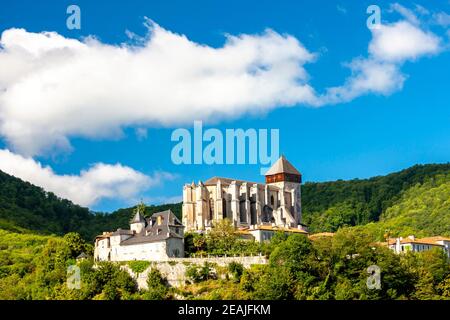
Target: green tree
236, 269
222, 237
294, 254
157, 286
76, 244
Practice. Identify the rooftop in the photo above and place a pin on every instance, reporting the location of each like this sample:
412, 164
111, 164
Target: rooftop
282, 165
412, 240
157, 228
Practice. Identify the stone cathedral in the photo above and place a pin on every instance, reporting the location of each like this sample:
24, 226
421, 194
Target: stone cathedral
277, 203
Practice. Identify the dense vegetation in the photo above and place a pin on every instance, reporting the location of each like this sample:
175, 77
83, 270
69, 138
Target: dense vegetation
422, 210
327, 206
36, 267
37, 245
221, 240
329, 268
330, 205
25, 206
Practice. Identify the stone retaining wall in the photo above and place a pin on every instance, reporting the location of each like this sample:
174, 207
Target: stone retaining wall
174, 269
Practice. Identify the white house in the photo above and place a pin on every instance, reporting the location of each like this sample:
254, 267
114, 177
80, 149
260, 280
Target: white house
156, 238
411, 243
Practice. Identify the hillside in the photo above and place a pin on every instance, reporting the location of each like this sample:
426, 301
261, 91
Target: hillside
24, 206
330, 205
415, 199
422, 210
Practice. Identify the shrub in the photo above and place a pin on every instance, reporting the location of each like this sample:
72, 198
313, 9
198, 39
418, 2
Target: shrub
197, 274
157, 286
236, 269
138, 266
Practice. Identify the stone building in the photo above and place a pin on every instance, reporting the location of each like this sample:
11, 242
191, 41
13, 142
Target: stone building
156, 238
249, 205
413, 244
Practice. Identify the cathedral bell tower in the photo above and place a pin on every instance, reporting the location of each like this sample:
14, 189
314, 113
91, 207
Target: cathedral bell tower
288, 180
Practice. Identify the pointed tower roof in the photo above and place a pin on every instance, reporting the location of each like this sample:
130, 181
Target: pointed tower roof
282, 165
138, 217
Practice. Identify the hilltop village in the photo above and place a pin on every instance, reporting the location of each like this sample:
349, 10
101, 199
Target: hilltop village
256, 210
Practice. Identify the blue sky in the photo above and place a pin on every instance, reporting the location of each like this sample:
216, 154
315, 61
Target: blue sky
372, 134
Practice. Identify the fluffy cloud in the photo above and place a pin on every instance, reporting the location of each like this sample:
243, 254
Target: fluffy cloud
380, 72
90, 186
368, 76
52, 87
402, 41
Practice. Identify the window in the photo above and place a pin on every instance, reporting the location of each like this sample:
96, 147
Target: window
272, 200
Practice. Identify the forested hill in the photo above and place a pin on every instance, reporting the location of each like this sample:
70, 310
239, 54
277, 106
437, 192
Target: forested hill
421, 189
330, 205
24, 206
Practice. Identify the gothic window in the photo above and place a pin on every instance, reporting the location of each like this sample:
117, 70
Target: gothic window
253, 219
224, 208
267, 214
211, 209
242, 211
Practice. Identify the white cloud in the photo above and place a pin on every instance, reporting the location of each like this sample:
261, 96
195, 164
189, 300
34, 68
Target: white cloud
421, 10
52, 88
90, 186
402, 41
368, 76
406, 13
442, 19
141, 133
380, 72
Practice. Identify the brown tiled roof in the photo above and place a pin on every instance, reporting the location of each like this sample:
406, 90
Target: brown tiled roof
321, 234
436, 238
276, 228
105, 235
428, 241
